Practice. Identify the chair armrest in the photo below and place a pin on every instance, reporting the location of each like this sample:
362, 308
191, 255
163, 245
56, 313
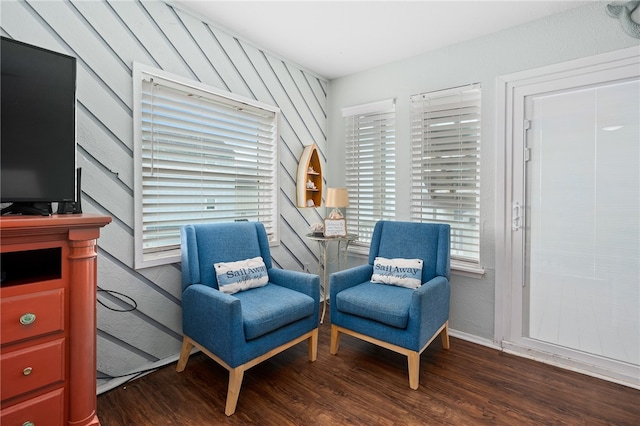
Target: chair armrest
431, 300
212, 318
342, 280
302, 282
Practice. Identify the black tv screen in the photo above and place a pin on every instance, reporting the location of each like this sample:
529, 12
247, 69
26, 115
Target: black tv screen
38, 120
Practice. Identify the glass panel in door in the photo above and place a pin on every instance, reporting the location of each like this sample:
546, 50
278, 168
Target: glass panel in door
582, 289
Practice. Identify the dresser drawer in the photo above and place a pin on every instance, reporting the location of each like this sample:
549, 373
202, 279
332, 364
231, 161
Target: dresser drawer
31, 368
43, 410
31, 315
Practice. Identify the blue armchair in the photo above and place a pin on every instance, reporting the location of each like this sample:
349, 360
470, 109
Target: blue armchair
242, 329
404, 320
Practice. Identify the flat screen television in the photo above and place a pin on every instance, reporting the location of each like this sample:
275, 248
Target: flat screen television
38, 134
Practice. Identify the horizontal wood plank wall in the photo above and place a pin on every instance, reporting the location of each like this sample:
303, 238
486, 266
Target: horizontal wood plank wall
107, 37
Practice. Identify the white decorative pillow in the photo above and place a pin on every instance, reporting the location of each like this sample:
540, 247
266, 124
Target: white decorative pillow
241, 275
400, 272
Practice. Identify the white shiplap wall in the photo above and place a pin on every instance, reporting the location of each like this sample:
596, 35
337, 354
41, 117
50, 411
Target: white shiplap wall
107, 37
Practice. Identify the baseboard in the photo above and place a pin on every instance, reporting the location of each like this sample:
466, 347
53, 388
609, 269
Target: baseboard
631, 381
474, 339
150, 368
556, 361
576, 367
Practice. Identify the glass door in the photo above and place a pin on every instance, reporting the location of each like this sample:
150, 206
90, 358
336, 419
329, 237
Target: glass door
580, 289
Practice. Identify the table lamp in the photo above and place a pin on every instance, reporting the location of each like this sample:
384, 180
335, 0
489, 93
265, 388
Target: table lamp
337, 198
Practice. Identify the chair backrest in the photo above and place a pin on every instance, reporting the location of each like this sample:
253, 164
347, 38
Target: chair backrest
204, 244
414, 240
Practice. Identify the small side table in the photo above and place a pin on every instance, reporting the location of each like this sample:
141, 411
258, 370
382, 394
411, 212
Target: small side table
323, 243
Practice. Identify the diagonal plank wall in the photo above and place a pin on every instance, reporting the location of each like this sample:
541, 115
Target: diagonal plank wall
107, 37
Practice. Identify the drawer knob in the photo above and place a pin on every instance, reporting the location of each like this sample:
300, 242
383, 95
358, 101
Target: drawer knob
27, 318
28, 423
27, 371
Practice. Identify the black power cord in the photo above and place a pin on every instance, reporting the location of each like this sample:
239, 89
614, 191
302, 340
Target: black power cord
133, 304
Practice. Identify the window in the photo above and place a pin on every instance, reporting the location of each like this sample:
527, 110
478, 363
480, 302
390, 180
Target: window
445, 167
200, 155
370, 166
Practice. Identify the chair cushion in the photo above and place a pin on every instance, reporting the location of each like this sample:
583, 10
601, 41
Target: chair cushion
401, 272
241, 275
386, 304
265, 309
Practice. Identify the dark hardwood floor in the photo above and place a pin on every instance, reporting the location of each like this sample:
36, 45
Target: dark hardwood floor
366, 385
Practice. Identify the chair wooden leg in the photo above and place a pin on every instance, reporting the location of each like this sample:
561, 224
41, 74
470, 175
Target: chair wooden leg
413, 359
233, 391
445, 335
313, 346
184, 354
335, 340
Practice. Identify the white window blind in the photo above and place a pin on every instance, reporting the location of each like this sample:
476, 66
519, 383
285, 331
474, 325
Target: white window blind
370, 166
445, 168
202, 156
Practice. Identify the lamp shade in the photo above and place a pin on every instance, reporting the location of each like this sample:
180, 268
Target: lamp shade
337, 197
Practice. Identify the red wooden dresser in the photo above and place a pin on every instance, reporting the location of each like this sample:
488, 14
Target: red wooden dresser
48, 319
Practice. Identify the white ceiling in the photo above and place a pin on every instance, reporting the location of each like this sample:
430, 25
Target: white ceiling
338, 38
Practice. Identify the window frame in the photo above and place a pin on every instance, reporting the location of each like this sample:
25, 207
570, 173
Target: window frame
170, 253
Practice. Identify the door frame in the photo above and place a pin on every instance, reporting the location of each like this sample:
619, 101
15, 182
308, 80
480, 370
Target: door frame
511, 91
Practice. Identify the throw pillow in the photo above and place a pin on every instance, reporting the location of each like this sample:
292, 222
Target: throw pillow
241, 275
400, 272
